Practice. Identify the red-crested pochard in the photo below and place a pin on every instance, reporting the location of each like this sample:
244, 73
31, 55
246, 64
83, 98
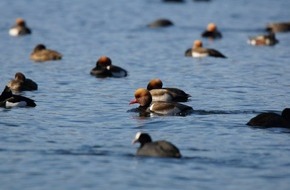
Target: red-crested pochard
144, 99
198, 51
105, 68
211, 32
19, 29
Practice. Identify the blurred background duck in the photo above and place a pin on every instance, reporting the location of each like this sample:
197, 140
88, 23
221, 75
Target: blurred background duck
20, 28
211, 32
263, 40
41, 54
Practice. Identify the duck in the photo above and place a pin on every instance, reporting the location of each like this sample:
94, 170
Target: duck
158, 93
20, 28
105, 68
144, 98
270, 119
198, 51
160, 23
9, 100
41, 54
212, 32
160, 148
263, 40
21, 83
278, 27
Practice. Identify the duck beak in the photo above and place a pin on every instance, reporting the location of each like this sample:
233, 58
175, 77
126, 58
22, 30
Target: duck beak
133, 101
134, 141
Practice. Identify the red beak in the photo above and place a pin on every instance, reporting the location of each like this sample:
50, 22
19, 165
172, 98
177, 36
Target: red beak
133, 101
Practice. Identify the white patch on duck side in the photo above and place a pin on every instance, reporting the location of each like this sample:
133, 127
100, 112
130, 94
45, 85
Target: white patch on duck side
121, 73
160, 95
252, 42
196, 54
15, 104
13, 32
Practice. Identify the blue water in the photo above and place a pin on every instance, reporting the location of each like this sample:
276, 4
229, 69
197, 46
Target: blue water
79, 135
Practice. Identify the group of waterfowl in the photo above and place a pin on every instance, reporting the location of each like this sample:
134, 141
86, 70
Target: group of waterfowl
155, 99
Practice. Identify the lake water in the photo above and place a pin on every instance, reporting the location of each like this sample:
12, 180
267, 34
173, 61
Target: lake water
79, 135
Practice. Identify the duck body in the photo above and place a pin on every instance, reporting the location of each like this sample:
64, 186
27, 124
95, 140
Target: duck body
160, 148
169, 95
204, 52
269, 120
170, 108
9, 100
41, 54
160, 23
155, 87
21, 83
211, 35
278, 27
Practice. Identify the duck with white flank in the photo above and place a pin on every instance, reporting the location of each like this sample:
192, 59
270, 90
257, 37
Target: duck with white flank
263, 40
198, 51
144, 99
165, 94
104, 68
19, 29
9, 100
160, 148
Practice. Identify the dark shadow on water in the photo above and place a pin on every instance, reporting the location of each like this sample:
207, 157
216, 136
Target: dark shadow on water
144, 114
278, 130
211, 112
78, 152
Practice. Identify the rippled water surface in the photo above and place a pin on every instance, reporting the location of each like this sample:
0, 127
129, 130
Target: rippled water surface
79, 135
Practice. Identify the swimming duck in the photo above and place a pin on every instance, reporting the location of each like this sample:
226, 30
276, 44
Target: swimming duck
263, 40
160, 23
165, 94
9, 100
19, 29
211, 32
160, 148
144, 98
104, 68
21, 83
41, 54
267, 120
198, 51
278, 27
